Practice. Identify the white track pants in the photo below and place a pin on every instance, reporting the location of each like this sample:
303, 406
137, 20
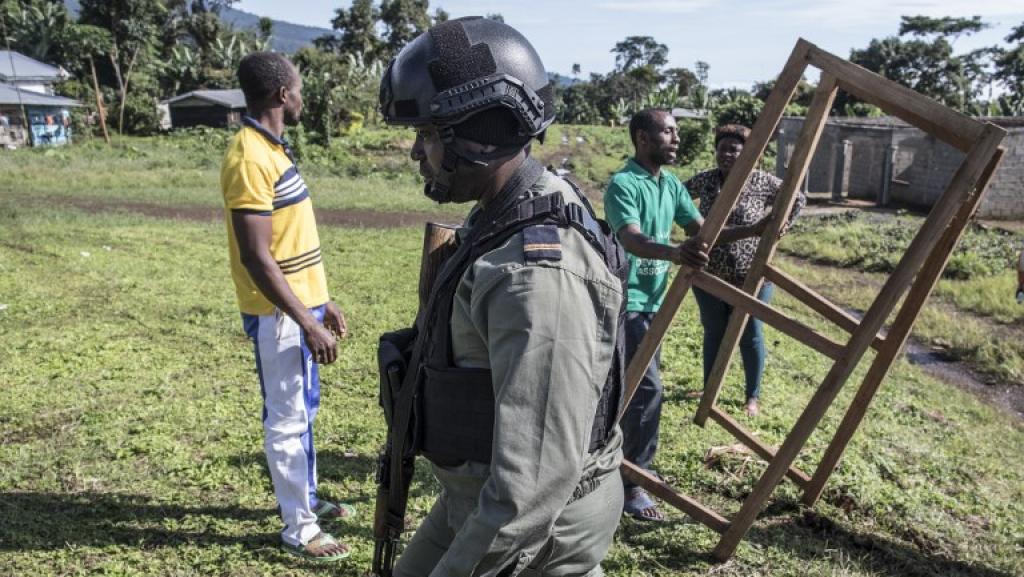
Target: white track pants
290, 383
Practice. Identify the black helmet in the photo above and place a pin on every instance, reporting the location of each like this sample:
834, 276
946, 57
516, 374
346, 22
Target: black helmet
472, 77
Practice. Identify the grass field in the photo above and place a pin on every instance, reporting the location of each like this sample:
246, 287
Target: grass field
971, 316
130, 440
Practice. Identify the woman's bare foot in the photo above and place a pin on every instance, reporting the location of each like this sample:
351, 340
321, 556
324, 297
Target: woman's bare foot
752, 409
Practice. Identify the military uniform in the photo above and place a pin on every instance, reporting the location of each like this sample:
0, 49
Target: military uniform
540, 312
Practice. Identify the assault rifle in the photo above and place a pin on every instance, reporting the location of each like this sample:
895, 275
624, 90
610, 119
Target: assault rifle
396, 354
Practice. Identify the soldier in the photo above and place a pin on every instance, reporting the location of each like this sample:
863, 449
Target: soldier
516, 365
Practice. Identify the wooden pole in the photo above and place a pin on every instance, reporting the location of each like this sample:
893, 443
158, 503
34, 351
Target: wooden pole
953, 127
100, 110
759, 138
815, 302
924, 242
747, 438
811, 131
925, 258
926, 280
663, 491
745, 304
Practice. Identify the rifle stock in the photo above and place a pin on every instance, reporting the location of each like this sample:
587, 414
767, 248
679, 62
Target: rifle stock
438, 245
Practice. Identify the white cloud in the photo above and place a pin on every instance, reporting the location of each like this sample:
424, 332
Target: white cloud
843, 13
658, 6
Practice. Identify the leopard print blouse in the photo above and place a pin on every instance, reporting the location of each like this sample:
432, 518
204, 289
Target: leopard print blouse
731, 262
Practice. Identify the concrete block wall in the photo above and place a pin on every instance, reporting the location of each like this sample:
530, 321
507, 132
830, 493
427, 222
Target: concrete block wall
1005, 197
868, 162
923, 169
922, 165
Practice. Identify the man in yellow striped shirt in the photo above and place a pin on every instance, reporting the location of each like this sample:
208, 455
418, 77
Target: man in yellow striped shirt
278, 271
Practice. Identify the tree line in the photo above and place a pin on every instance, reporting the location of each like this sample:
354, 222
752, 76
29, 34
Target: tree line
126, 55
922, 55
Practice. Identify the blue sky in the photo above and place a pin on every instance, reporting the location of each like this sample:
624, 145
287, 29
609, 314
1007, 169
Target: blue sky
743, 40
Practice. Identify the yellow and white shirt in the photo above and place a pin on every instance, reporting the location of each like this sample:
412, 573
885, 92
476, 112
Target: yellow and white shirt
259, 176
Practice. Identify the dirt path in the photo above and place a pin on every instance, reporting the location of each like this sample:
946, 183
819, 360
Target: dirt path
362, 218
1004, 396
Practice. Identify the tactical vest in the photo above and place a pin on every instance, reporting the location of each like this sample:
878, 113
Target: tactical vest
454, 411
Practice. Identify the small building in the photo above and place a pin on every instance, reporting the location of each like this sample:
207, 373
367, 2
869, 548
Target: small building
216, 108
26, 94
887, 161
688, 114
29, 74
49, 118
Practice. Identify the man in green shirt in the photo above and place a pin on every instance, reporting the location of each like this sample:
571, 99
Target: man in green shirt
641, 204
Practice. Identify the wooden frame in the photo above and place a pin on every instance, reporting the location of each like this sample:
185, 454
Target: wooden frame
918, 270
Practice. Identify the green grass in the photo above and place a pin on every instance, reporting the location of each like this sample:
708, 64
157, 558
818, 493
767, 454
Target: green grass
981, 341
131, 431
991, 296
875, 242
972, 314
176, 170
369, 170
131, 411
130, 440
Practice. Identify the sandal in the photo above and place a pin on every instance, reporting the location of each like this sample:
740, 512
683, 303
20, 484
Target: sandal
330, 512
318, 549
640, 506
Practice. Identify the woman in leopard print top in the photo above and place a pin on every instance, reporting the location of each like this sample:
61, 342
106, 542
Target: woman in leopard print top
731, 261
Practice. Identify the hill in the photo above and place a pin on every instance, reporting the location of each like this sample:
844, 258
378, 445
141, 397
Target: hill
286, 37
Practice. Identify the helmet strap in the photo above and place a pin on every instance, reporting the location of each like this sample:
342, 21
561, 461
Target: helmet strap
439, 188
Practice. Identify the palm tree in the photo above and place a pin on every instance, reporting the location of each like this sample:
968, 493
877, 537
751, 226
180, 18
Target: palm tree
35, 29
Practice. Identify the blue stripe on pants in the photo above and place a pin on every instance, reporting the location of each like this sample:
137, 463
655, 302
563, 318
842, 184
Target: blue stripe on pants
311, 377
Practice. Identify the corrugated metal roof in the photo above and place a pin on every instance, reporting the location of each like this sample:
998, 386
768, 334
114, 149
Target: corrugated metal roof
26, 68
688, 113
232, 98
9, 95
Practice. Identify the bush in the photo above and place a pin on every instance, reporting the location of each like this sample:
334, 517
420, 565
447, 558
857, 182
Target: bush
694, 139
140, 114
744, 109
875, 243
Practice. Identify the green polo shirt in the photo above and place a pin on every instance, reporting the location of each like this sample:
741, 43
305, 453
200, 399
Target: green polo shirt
634, 196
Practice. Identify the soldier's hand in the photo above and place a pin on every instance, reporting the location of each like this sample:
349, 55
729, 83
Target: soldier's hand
693, 252
334, 320
321, 343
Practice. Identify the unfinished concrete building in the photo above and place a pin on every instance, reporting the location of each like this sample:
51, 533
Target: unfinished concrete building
888, 162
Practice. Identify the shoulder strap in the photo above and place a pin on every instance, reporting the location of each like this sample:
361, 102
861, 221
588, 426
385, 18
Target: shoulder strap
401, 434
